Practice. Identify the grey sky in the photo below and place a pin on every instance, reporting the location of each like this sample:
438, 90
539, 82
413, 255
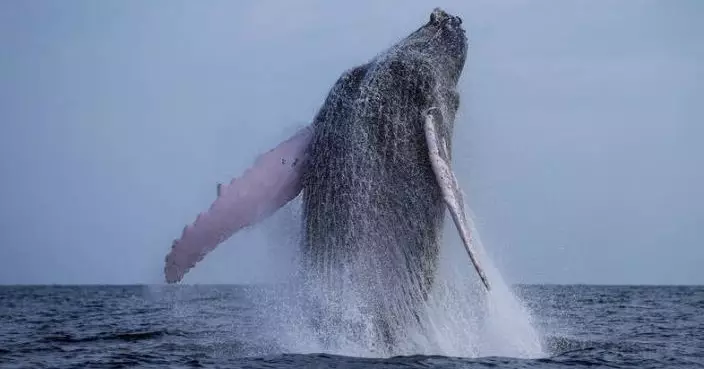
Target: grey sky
578, 143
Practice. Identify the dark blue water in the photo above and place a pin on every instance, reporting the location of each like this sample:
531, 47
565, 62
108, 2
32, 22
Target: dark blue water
221, 326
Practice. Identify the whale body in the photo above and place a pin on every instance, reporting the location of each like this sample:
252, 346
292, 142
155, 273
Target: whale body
374, 170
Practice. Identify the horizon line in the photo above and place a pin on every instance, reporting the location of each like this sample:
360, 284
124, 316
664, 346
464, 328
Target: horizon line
271, 284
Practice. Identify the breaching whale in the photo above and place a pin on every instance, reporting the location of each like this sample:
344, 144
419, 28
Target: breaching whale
374, 169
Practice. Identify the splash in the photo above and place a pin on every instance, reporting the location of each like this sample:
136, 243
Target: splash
471, 322
459, 319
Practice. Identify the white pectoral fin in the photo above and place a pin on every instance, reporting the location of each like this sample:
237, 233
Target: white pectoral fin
451, 193
273, 181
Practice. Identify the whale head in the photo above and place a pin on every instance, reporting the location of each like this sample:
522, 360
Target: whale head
441, 41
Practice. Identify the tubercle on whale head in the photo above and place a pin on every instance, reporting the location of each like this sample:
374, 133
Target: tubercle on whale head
439, 16
442, 40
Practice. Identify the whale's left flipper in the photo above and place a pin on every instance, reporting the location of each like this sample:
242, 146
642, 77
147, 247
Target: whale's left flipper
451, 193
273, 181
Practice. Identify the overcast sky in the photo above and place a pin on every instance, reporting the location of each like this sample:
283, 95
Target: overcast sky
578, 143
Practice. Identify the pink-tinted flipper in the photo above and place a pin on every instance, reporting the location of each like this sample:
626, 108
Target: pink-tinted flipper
273, 181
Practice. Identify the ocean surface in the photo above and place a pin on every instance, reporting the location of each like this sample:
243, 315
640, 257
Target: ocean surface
227, 327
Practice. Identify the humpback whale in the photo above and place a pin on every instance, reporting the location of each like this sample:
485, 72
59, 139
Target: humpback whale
374, 169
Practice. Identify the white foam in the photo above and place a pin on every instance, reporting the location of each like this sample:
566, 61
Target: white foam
461, 319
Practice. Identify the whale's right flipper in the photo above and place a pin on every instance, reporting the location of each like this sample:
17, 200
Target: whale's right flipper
273, 181
451, 193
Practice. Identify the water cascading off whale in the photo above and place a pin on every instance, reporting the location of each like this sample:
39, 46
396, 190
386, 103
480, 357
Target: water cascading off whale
374, 169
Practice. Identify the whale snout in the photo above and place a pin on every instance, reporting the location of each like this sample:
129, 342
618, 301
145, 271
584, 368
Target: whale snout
446, 39
440, 17
450, 27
